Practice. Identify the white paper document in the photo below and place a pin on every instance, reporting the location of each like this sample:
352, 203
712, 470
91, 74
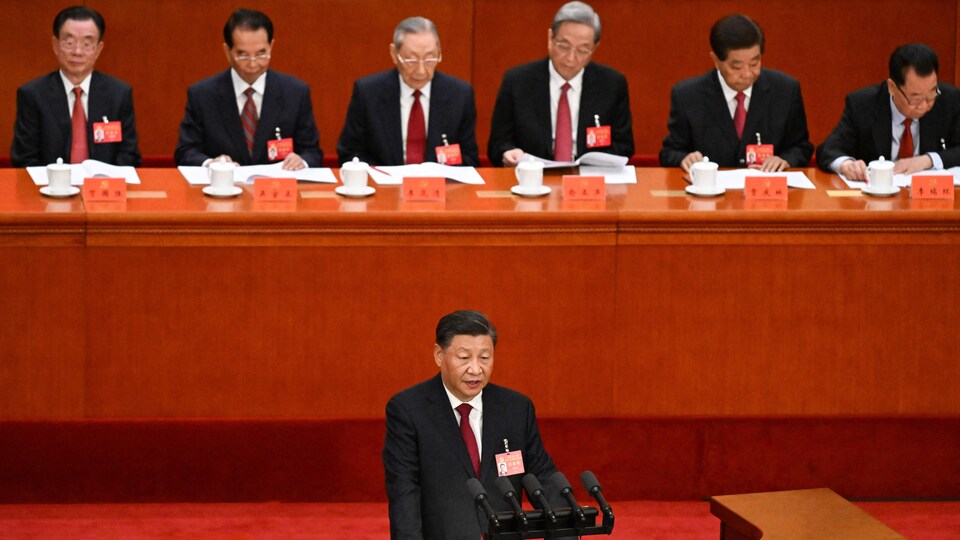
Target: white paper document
599, 159
611, 175
200, 176
903, 180
736, 178
90, 168
394, 175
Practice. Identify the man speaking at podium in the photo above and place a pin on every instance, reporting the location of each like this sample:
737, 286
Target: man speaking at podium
450, 428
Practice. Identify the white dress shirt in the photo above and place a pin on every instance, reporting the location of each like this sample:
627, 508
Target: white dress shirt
573, 99
240, 86
406, 103
72, 98
730, 96
476, 415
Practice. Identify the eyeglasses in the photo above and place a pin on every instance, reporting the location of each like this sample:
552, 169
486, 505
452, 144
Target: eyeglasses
565, 49
428, 62
255, 58
70, 45
917, 101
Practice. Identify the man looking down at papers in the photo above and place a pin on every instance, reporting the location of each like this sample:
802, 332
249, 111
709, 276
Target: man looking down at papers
563, 106
249, 114
911, 117
58, 114
413, 113
722, 111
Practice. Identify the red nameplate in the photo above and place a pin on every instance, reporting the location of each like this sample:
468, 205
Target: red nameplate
584, 188
104, 189
424, 189
758, 153
509, 463
274, 189
931, 186
107, 132
278, 149
449, 155
598, 137
765, 188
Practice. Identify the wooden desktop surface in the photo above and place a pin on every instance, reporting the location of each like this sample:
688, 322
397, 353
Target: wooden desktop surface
650, 303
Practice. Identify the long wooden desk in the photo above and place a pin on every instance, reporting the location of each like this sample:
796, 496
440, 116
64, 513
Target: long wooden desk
650, 303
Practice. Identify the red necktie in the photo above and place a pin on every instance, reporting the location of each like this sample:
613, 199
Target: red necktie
906, 140
78, 146
563, 145
249, 119
468, 437
416, 131
740, 115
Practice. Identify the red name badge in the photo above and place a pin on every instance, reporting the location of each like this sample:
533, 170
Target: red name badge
278, 149
584, 188
510, 463
765, 188
104, 189
598, 137
931, 186
424, 189
274, 189
449, 155
758, 153
107, 132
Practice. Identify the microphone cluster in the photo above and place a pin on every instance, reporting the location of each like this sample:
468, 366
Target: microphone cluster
544, 522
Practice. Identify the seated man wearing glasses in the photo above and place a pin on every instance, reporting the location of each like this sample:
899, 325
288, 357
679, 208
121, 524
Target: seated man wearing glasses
588, 103
56, 113
910, 118
413, 113
249, 114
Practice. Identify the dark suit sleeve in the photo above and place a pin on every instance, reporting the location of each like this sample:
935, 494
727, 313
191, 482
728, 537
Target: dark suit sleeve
679, 140
502, 129
190, 149
402, 471
468, 126
352, 142
25, 150
306, 142
128, 152
842, 141
951, 101
622, 127
795, 147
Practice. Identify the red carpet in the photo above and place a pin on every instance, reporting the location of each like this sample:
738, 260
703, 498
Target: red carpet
635, 519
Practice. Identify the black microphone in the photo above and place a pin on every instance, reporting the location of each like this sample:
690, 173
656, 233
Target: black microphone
535, 490
593, 488
560, 481
510, 494
480, 499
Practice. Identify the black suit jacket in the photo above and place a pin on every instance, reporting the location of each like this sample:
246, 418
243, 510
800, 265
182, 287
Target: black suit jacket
865, 130
427, 465
521, 116
211, 124
372, 130
43, 130
700, 121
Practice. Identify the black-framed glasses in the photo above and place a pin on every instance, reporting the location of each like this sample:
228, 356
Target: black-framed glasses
917, 101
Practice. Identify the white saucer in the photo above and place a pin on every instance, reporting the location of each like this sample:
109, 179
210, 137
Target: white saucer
232, 192
878, 192
70, 192
538, 191
365, 191
700, 192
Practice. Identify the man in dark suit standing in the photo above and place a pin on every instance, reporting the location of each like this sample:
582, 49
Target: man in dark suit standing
428, 458
249, 114
717, 114
57, 113
563, 106
911, 118
413, 113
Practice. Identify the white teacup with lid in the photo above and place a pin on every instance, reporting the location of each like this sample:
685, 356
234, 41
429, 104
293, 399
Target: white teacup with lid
354, 174
221, 176
58, 178
529, 175
703, 175
880, 174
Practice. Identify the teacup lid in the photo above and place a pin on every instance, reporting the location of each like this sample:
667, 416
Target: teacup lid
221, 164
59, 164
354, 165
881, 163
705, 163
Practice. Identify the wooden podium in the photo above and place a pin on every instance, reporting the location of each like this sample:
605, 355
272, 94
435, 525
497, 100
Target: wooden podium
815, 514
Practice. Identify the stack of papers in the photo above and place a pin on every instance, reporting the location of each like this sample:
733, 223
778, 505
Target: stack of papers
200, 176
611, 175
394, 175
90, 168
598, 159
736, 179
903, 180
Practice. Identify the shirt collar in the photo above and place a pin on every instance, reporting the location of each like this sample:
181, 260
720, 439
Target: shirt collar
729, 93
240, 86
68, 86
556, 81
406, 91
476, 402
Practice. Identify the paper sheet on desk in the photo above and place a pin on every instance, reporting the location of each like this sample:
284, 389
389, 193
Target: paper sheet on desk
599, 159
199, 176
736, 178
611, 175
88, 169
903, 180
394, 175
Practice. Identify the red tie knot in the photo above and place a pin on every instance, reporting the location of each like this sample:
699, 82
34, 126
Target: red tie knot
464, 410
78, 91
249, 92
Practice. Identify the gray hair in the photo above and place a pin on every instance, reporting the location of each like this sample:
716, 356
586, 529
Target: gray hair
413, 25
578, 12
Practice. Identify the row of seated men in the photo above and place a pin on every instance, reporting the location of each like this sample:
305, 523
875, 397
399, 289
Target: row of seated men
559, 107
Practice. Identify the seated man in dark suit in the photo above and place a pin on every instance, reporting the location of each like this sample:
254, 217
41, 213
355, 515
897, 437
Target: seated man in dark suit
428, 458
53, 123
910, 117
403, 115
249, 114
722, 111
565, 90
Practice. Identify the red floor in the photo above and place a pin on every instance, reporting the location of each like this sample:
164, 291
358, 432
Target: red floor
635, 519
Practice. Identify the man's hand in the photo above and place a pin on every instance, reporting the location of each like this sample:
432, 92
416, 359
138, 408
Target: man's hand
854, 170
772, 164
690, 159
512, 157
293, 162
912, 165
